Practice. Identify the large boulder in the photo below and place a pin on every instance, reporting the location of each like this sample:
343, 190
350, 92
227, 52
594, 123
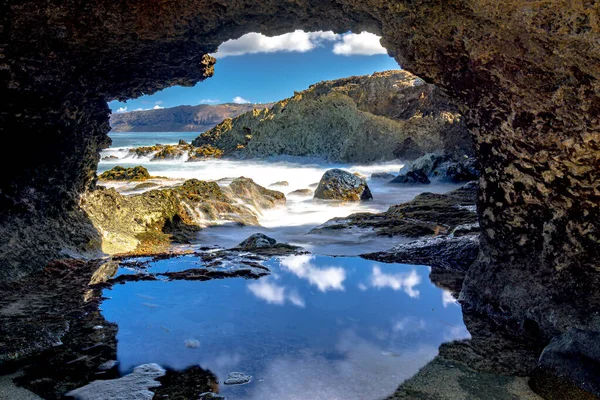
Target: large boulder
119, 173
253, 194
150, 221
438, 167
337, 184
569, 367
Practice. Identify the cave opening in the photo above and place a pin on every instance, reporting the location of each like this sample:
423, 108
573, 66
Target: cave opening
524, 77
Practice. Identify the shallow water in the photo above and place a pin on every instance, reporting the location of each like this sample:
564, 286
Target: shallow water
317, 327
301, 214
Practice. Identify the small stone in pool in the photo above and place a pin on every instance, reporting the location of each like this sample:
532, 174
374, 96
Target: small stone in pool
110, 364
192, 344
237, 378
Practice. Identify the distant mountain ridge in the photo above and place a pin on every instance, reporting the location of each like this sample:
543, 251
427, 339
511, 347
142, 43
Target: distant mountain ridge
181, 118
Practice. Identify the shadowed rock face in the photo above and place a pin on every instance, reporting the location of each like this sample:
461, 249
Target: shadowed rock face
526, 76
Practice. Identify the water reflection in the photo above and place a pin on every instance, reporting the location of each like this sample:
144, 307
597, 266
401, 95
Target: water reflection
318, 327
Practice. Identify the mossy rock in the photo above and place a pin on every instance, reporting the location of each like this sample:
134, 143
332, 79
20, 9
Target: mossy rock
119, 173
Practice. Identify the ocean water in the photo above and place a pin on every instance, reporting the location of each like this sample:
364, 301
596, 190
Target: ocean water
292, 222
318, 327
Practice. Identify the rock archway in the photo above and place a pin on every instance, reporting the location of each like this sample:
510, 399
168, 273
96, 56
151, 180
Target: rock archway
526, 74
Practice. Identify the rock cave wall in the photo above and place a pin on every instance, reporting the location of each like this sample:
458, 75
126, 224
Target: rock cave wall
526, 74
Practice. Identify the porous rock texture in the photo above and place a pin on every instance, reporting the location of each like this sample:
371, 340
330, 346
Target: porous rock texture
526, 76
383, 116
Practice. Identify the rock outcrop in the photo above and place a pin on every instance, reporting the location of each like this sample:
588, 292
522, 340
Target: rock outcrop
119, 173
176, 151
525, 75
427, 214
337, 184
150, 221
179, 119
442, 167
356, 119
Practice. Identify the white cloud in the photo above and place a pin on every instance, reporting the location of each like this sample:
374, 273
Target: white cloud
364, 44
209, 101
330, 278
252, 43
402, 281
448, 299
275, 294
409, 325
240, 100
121, 110
157, 107
158, 102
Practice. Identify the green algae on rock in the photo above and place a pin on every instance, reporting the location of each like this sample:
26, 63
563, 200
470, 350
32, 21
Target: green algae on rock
337, 184
356, 119
119, 173
150, 221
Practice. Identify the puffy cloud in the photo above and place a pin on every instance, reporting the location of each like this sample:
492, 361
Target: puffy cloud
157, 107
159, 102
364, 44
330, 278
252, 43
240, 100
275, 294
402, 281
209, 101
121, 110
448, 299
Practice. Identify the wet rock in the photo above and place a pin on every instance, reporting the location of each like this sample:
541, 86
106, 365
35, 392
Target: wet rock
237, 378
188, 384
262, 244
253, 194
134, 386
119, 173
313, 185
426, 215
149, 222
462, 171
176, 151
337, 184
383, 175
451, 253
417, 176
465, 229
109, 158
301, 192
280, 183
182, 142
145, 185
426, 164
569, 367
257, 241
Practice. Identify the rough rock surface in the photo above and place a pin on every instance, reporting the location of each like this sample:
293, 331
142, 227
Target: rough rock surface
337, 184
260, 243
440, 167
119, 173
426, 215
237, 378
179, 151
151, 220
356, 119
573, 357
179, 119
453, 253
526, 77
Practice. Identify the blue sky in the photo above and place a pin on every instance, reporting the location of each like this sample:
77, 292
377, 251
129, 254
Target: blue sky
260, 69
